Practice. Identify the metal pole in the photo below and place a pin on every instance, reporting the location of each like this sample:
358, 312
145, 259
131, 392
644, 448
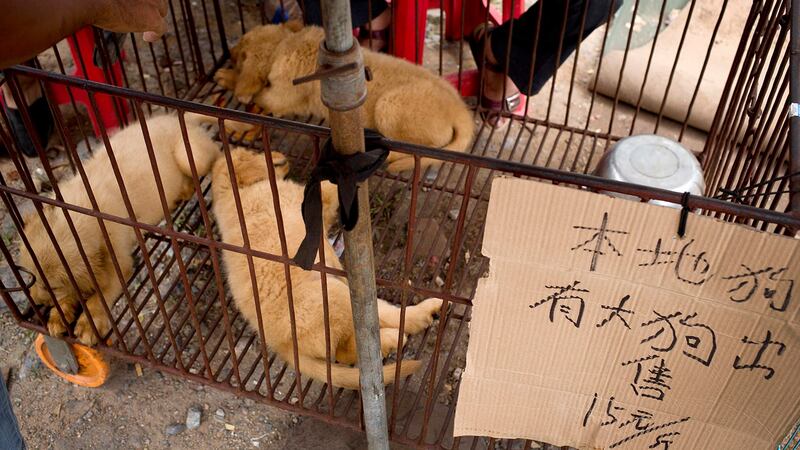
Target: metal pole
794, 109
344, 96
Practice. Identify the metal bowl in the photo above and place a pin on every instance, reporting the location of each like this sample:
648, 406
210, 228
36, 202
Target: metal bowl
654, 161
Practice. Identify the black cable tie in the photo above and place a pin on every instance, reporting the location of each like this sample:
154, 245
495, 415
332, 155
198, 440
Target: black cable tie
684, 214
345, 171
734, 195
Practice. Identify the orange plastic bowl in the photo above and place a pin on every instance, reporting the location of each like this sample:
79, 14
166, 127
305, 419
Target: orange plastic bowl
93, 370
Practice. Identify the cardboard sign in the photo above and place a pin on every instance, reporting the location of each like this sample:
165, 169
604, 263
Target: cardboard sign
599, 328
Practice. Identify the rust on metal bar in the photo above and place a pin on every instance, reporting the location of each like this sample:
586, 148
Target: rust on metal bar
794, 115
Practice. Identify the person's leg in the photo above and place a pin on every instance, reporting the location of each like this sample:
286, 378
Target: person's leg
366, 13
312, 12
544, 34
10, 436
38, 111
359, 13
373, 17
374, 34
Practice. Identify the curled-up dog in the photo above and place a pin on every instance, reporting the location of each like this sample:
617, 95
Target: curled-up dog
257, 205
405, 102
133, 160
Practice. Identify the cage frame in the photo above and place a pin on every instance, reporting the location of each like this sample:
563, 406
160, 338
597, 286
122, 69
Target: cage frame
471, 163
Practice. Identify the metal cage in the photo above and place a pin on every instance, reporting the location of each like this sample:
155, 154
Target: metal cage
176, 314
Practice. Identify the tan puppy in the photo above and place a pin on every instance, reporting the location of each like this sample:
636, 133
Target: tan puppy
132, 158
256, 200
404, 102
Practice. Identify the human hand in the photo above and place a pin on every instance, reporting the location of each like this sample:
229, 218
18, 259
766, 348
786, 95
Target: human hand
126, 16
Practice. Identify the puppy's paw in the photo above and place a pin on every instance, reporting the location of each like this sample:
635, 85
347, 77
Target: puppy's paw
400, 163
238, 127
431, 306
391, 346
250, 136
423, 315
84, 332
245, 99
394, 156
55, 326
240, 131
226, 78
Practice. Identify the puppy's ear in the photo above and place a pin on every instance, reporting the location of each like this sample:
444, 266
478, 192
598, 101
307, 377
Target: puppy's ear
293, 25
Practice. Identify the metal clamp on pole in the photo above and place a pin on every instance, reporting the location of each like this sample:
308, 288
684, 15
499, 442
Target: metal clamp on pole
344, 93
345, 90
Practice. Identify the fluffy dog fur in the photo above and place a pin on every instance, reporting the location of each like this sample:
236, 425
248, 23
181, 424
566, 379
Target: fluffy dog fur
257, 205
404, 102
133, 161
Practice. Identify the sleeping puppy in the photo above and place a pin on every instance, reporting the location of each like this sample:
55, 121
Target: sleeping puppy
256, 202
132, 158
405, 102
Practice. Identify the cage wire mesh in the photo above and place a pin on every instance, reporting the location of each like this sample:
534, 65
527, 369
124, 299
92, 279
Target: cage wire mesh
646, 71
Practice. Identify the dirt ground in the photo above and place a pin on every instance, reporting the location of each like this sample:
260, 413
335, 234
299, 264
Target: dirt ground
140, 412
145, 410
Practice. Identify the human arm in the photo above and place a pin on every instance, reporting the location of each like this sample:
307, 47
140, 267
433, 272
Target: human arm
27, 27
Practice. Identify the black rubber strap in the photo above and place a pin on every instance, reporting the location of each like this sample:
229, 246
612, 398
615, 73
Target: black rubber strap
345, 171
684, 214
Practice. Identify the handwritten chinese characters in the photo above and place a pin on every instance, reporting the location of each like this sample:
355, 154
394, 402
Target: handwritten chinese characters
567, 301
599, 327
691, 264
665, 332
756, 364
689, 267
765, 284
637, 425
598, 242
